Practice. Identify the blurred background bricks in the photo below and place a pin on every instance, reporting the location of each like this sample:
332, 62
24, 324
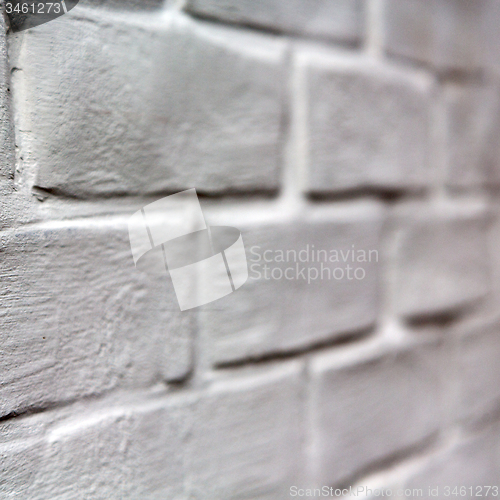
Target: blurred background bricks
473, 132
478, 353
446, 34
367, 124
298, 302
473, 461
356, 422
246, 438
442, 263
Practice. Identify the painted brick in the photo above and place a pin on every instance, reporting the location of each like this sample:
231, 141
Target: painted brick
442, 263
478, 369
447, 34
155, 454
240, 437
493, 247
246, 440
270, 315
473, 130
492, 18
367, 126
84, 459
470, 463
102, 453
187, 105
79, 319
341, 20
20, 460
368, 406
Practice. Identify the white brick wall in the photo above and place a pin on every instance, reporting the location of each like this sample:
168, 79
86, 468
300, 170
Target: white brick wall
327, 125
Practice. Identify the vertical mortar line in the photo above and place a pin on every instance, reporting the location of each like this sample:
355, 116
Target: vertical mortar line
200, 361
293, 135
438, 158
308, 423
391, 324
374, 28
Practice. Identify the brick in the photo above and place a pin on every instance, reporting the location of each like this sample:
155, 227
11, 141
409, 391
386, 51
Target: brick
340, 20
79, 319
187, 105
473, 129
21, 459
112, 453
368, 405
442, 263
84, 459
470, 463
447, 34
239, 436
156, 451
494, 247
492, 36
367, 126
478, 370
247, 436
270, 313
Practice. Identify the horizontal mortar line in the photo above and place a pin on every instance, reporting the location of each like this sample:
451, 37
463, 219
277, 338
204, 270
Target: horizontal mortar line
62, 194
387, 195
408, 456
481, 422
105, 207
120, 211
351, 338
446, 318
354, 46
441, 74
109, 400
28, 411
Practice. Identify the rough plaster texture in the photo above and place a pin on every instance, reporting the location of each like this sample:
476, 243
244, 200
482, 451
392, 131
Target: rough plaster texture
333, 125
